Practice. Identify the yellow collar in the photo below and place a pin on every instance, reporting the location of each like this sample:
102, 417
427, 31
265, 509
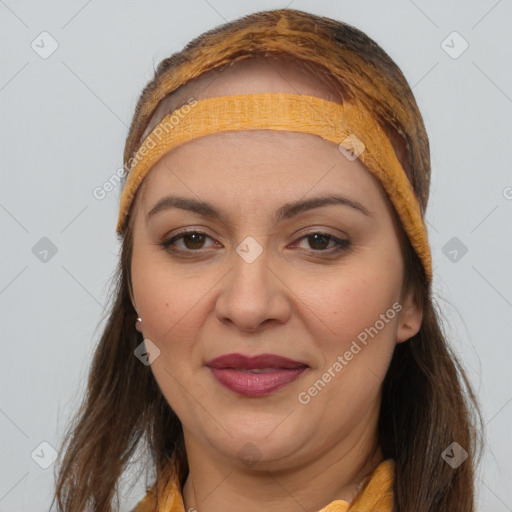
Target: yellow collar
375, 496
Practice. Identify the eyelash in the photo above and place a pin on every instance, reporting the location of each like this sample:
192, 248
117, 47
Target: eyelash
342, 245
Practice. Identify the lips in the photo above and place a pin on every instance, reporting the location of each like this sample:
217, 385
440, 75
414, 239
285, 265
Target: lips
255, 376
241, 362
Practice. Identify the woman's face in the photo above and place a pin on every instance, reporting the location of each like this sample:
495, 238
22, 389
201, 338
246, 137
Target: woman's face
277, 269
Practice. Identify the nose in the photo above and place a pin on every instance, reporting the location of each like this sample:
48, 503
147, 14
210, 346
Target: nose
253, 294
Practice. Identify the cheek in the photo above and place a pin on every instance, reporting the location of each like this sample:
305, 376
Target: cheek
172, 307
352, 319
353, 324
166, 298
342, 305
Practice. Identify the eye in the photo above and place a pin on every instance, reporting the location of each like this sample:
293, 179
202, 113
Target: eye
193, 241
319, 242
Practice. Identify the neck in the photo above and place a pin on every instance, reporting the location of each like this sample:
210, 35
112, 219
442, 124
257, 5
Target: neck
215, 483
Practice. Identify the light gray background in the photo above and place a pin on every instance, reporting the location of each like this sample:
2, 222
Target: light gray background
63, 123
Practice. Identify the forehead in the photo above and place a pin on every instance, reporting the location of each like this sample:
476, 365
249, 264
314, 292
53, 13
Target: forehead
248, 170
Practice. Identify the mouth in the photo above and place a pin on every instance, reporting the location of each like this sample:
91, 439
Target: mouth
255, 376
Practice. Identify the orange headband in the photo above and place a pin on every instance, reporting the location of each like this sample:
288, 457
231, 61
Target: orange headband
349, 126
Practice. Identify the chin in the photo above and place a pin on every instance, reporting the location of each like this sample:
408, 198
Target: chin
261, 445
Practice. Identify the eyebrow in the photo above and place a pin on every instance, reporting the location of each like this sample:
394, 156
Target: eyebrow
285, 212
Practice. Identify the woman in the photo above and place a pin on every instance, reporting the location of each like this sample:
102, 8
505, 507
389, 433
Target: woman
273, 339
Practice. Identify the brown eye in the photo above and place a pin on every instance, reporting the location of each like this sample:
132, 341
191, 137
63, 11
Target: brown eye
319, 242
195, 240
191, 241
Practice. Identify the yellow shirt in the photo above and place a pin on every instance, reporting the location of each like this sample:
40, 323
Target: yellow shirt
375, 496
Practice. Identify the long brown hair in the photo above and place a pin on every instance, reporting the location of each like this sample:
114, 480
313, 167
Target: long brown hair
427, 402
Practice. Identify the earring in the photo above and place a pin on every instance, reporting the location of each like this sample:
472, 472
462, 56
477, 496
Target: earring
137, 321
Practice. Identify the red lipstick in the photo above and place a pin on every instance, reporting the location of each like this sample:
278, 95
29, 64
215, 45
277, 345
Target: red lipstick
255, 376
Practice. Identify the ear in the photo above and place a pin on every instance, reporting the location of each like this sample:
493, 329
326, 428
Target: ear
138, 326
409, 318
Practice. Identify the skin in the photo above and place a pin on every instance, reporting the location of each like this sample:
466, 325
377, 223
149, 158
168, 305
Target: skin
295, 300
